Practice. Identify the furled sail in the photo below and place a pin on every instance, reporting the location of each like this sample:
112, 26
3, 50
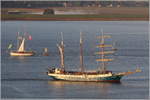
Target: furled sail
104, 36
102, 46
21, 48
105, 52
61, 55
61, 50
104, 60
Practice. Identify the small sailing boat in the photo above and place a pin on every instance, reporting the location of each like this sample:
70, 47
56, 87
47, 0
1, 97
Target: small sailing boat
45, 53
21, 50
101, 75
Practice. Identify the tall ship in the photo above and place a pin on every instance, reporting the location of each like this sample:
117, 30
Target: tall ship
100, 75
21, 48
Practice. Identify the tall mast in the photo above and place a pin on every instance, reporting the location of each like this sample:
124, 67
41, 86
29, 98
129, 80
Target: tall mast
81, 53
102, 55
18, 40
61, 50
104, 52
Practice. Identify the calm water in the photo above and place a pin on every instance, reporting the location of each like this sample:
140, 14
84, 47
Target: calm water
24, 77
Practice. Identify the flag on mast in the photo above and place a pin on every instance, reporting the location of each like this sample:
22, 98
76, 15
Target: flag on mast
30, 37
17, 34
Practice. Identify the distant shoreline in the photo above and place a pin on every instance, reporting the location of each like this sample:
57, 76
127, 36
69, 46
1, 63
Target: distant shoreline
99, 14
75, 17
100, 19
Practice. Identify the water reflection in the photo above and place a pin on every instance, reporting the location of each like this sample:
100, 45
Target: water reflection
18, 57
79, 89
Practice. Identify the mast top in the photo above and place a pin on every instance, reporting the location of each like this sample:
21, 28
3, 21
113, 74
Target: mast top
62, 39
62, 36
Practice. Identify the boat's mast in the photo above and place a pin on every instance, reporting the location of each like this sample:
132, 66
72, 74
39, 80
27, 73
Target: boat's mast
24, 37
18, 41
81, 53
103, 52
61, 49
